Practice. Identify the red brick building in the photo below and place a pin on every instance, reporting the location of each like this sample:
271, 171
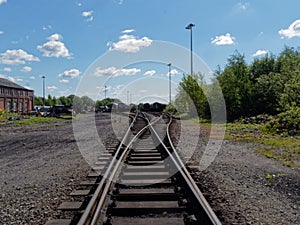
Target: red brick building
15, 98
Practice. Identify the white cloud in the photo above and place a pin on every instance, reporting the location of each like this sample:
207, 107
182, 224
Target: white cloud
51, 88
72, 73
226, 39
2, 1
15, 57
26, 69
88, 15
15, 79
243, 6
7, 69
78, 4
54, 47
128, 31
149, 73
64, 81
113, 71
47, 27
292, 31
1, 32
2, 76
173, 72
32, 77
260, 52
129, 43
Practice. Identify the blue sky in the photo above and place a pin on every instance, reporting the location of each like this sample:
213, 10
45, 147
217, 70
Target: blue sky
61, 39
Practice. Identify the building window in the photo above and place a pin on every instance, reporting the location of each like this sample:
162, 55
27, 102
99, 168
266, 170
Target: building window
14, 107
8, 106
20, 107
26, 107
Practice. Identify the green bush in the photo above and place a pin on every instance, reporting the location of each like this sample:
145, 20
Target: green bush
171, 109
285, 123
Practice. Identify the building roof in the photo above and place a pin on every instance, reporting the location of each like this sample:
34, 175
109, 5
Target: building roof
7, 83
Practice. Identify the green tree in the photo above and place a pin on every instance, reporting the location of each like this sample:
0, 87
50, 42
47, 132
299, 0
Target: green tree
88, 103
191, 96
237, 87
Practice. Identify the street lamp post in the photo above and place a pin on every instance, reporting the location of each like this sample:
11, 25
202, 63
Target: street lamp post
105, 91
190, 27
43, 77
169, 65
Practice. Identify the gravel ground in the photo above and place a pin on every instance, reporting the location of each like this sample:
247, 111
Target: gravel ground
41, 164
242, 186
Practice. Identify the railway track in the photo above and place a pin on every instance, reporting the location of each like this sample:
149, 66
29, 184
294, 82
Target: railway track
142, 181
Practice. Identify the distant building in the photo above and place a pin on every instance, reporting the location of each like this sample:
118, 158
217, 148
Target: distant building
15, 98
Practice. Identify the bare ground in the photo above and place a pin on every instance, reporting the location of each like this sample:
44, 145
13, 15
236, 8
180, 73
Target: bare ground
41, 164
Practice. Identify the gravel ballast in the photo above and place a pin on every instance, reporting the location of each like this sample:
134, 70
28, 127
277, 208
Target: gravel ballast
41, 164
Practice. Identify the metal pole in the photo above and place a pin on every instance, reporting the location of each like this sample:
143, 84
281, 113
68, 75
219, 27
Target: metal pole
128, 97
43, 77
190, 27
104, 92
192, 51
169, 65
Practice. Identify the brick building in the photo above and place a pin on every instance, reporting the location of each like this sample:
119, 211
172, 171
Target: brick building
15, 98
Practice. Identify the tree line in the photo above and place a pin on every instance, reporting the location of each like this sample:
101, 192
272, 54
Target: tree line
269, 85
79, 104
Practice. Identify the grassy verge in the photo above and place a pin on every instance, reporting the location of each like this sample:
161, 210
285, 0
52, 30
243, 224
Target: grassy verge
23, 120
33, 120
285, 149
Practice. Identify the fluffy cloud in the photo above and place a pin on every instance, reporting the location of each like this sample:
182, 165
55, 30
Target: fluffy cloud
173, 72
51, 88
15, 80
149, 73
226, 39
64, 81
15, 57
12, 79
113, 71
7, 69
129, 43
88, 15
292, 31
1, 32
128, 31
47, 27
26, 69
243, 6
54, 47
2, 76
72, 73
2, 1
32, 77
260, 52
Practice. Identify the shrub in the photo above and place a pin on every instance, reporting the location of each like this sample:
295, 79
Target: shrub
286, 123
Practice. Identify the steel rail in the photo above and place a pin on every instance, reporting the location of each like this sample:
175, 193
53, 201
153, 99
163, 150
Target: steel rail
90, 215
187, 177
93, 202
112, 176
